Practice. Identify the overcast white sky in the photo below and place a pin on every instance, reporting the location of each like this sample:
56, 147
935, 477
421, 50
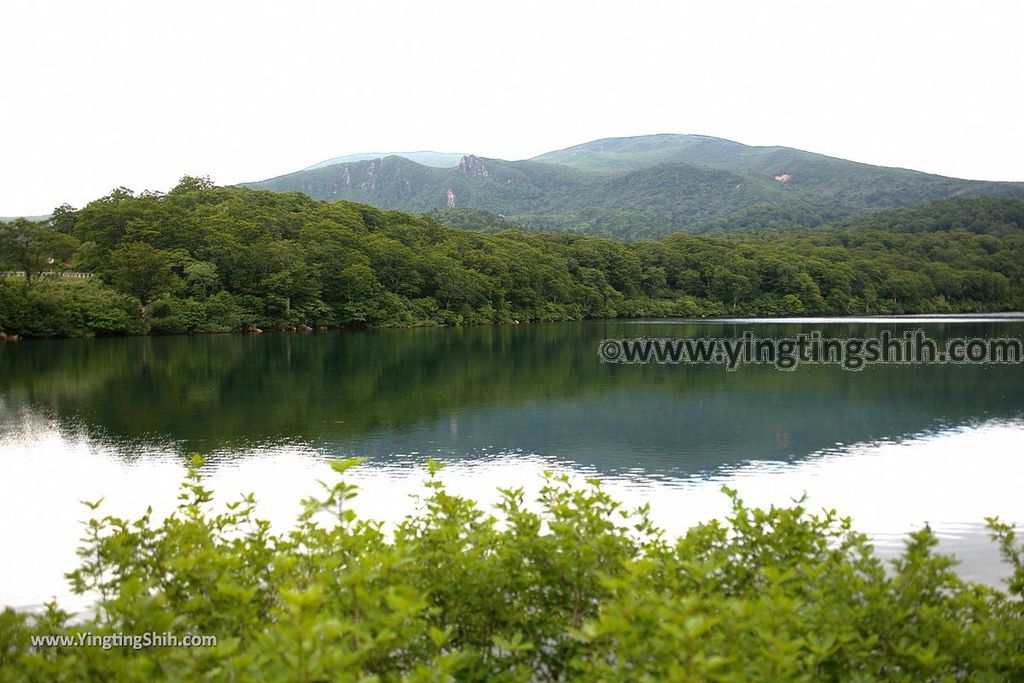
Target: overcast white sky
102, 94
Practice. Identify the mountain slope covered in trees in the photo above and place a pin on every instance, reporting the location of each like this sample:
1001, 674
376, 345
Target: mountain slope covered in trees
640, 187
435, 159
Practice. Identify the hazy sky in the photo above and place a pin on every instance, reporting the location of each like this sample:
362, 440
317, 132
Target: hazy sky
102, 94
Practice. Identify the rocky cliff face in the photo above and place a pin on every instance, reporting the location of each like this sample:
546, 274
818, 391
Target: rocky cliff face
376, 175
473, 166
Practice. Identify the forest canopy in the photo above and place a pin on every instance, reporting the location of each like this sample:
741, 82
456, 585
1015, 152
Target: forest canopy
204, 258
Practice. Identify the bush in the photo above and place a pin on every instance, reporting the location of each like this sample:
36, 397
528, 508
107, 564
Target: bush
54, 307
217, 313
573, 589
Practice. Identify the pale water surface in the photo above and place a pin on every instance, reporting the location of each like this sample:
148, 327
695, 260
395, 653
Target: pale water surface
893, 446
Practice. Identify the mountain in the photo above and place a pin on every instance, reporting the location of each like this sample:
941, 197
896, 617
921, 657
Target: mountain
397, 182
857, 183
34, 219
433, 159
639, 187
630, 154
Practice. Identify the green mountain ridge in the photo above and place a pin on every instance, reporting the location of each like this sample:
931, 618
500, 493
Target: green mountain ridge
427, 158
34, 219
640, 187
805, 169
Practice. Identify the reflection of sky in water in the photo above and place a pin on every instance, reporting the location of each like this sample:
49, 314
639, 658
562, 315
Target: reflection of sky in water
951, 478
891, 446
650, 434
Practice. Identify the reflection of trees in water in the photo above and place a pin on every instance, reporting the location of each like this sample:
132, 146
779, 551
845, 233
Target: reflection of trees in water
536, 387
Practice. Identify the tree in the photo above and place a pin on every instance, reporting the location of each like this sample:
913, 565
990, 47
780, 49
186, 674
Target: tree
190, 183
365, 299
141, 270
394, 264
201, 276
289, 275
730, 287
63, 218
456, 285
34, 247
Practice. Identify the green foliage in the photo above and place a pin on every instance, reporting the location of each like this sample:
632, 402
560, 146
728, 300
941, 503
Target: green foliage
204, 258
67, 308
218, 313
473, 219
139, 269
640, 187
33, 247
571, 587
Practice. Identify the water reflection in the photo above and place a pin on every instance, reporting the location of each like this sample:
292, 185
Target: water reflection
888, 488
893, 446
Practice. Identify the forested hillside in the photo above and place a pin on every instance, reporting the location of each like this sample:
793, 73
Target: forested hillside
436, 159
203, 258
641, 187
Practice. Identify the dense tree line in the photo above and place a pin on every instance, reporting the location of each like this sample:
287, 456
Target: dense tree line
203, 258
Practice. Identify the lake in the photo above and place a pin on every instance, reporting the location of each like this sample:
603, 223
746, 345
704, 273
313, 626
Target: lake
894, 446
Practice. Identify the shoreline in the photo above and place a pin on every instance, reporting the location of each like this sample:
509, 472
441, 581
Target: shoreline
995, 316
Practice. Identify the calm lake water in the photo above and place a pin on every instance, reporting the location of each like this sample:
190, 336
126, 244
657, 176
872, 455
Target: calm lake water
893, 446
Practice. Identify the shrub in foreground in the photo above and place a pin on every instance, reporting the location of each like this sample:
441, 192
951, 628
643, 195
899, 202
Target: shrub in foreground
572, 588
